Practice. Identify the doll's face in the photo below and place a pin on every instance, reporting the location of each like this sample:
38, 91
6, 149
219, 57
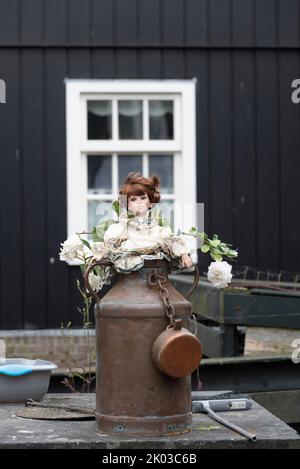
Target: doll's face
139, 204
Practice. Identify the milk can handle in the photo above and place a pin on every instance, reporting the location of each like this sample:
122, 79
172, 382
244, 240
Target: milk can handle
86, 278
196, 280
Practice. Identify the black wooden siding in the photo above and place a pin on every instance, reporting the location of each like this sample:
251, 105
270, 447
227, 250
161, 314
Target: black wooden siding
244, 53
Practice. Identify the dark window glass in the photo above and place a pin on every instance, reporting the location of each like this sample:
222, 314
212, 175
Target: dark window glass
163, 166
99, 120
130, 120
161, 120
99, 174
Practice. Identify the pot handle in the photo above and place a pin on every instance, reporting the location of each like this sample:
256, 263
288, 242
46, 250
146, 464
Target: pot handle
86, 278
195, 283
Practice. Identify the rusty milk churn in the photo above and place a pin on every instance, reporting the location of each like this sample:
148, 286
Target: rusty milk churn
145, 354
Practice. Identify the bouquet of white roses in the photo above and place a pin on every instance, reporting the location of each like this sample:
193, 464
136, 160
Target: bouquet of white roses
78, 248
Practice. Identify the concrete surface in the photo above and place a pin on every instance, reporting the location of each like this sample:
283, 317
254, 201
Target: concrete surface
17, 432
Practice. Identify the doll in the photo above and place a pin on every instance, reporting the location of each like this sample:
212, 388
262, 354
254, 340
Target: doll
137, 233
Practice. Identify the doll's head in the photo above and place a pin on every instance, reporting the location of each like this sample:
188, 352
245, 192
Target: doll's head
141, 193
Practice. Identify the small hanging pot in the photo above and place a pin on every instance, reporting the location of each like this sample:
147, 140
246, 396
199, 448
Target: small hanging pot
176, 352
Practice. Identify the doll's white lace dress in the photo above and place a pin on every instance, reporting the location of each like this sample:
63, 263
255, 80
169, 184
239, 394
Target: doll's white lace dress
128, 242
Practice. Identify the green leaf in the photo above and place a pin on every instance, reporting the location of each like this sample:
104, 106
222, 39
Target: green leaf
214, 242
193, 230
232, 253
99, 230
94, 235
201, 234
86, 243
205, 248
215, 236
116, 207
216, 257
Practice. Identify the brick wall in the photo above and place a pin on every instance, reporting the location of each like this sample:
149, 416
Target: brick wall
67, 349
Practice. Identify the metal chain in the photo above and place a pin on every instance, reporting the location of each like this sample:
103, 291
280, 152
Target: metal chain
193, 320
154, 279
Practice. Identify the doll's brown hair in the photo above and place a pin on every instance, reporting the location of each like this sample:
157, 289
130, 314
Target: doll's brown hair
136, 184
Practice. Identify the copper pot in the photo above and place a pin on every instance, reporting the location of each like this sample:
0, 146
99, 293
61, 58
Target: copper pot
177, 352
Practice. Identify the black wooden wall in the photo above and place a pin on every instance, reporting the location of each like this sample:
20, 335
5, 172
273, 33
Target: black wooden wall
245, 54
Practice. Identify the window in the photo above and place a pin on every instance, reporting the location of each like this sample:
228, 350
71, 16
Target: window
118, 126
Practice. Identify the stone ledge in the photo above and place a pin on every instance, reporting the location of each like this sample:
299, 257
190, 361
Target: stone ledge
17, 432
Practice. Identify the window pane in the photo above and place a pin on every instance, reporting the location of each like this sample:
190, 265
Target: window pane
98, 211
127, 164
162, 165
99, 120
130, 119
167, 209
99, 174
161, 120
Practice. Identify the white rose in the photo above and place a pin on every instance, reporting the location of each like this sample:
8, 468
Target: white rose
94, 281
70, 248
219, 273
97, 248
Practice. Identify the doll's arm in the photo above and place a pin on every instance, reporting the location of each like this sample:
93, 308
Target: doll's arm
180, 249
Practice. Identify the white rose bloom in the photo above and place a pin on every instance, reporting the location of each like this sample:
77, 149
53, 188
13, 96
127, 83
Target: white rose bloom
87, 252
97, 248
95, 281
70, 248
219, 273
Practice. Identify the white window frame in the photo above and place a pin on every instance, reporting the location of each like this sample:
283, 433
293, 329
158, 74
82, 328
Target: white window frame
78, 91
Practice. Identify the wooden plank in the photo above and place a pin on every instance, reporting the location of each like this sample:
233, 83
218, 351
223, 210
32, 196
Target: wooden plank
211, 339
244, 165
79, 63
55, 160
102, 63
102, 22
271, 341
78, 17
11, 212
243, 23
197, 66
289, 23
173, 63
283, 404
125, 22
219, 17
149, 26
55, 22
207, 301
9, 22
267, 154
33, 190
79, 66
172, 22
221, 179
262, 310
289, 69
126, 63
196, 24
150, 64
249, 374
31, 22
265, 23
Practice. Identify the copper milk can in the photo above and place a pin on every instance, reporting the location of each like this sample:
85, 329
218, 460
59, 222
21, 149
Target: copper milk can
133, 395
